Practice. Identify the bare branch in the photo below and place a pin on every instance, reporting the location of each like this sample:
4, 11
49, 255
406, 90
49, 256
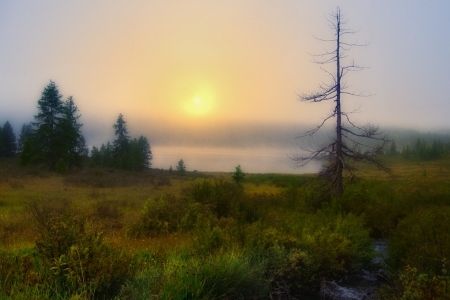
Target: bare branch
351, 143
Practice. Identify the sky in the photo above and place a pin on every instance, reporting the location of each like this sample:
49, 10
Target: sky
181, 67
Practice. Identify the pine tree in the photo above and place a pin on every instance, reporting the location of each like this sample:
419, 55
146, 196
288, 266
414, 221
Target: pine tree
146, 152
8, 140
238, 175
2, 144
57, 140
181, 167
106, 154
96, 158
25, 133
121, 143
73, 145
45, 143
82, 148
393, 149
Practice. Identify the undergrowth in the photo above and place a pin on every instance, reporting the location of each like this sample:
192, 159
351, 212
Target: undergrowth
105, 234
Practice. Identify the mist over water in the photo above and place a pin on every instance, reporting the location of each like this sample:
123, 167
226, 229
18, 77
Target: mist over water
225, 159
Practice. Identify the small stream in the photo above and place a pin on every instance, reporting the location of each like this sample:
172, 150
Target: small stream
360, 286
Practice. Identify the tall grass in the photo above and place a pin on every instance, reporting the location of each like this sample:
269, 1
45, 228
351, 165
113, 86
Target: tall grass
104, 234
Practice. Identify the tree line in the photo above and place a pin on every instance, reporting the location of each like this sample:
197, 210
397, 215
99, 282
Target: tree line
54, 139
421, 150
123, 152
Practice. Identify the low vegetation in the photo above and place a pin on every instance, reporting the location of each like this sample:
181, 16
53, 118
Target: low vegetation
102, 233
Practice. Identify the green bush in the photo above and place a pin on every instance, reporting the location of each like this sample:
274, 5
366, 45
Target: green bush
423, 286
422, 241
78, 260
160, 216
413, 285
220, 195
62, 167
91, 267
323, 245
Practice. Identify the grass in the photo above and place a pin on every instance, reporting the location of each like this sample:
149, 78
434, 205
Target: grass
274, 233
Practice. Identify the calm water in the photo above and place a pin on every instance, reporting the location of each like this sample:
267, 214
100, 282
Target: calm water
206, 159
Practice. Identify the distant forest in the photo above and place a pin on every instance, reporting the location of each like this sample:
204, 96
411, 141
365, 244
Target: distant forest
55, 139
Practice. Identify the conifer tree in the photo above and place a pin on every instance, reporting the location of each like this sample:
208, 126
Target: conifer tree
72, 140
57, 140
2, 145
121, 143
181, 167
146, 152
44, 143
95, 158
25, 133
238, 175
8, 140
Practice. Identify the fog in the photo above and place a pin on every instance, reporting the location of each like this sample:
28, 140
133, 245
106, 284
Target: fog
222, 74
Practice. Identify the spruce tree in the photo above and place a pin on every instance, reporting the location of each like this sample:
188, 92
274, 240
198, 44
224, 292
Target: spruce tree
8, 140
95, 159
181, 167
140, 154
146, 152
57, 140
2, 144
72, 141
25, 133
121, 143
45, 141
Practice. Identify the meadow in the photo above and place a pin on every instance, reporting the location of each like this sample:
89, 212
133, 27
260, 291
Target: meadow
101, 233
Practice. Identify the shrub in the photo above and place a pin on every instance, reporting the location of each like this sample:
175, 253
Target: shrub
220, 195
160, 216
107, 210
423, 286
62, 167
413, 285
422, 241
78, 259
92, 267
320, 246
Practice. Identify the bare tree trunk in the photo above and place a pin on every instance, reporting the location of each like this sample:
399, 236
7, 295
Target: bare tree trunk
339, 159
353, 143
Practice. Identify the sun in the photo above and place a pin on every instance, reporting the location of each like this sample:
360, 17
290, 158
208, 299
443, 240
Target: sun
201, 104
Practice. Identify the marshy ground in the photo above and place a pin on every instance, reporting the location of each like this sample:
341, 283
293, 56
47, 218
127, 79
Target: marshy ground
103, 233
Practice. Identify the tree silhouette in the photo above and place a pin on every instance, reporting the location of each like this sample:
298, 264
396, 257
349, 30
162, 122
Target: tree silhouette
56, 139
72, 141
124, 152
121, 145
8, 140
351, 142
25, 133
181, 167
238, 175
46, 138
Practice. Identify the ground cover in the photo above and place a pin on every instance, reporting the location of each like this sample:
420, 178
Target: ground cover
102, 233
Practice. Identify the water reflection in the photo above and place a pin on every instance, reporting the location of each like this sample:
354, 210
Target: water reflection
214, 159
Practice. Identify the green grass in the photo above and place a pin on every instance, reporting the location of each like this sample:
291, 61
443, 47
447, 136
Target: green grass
273, 233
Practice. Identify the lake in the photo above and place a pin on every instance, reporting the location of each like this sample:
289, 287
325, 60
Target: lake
215, 159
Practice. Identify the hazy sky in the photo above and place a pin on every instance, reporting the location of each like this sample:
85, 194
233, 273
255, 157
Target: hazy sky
197, 64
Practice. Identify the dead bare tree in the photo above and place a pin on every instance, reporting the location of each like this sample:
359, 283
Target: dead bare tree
351, 142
